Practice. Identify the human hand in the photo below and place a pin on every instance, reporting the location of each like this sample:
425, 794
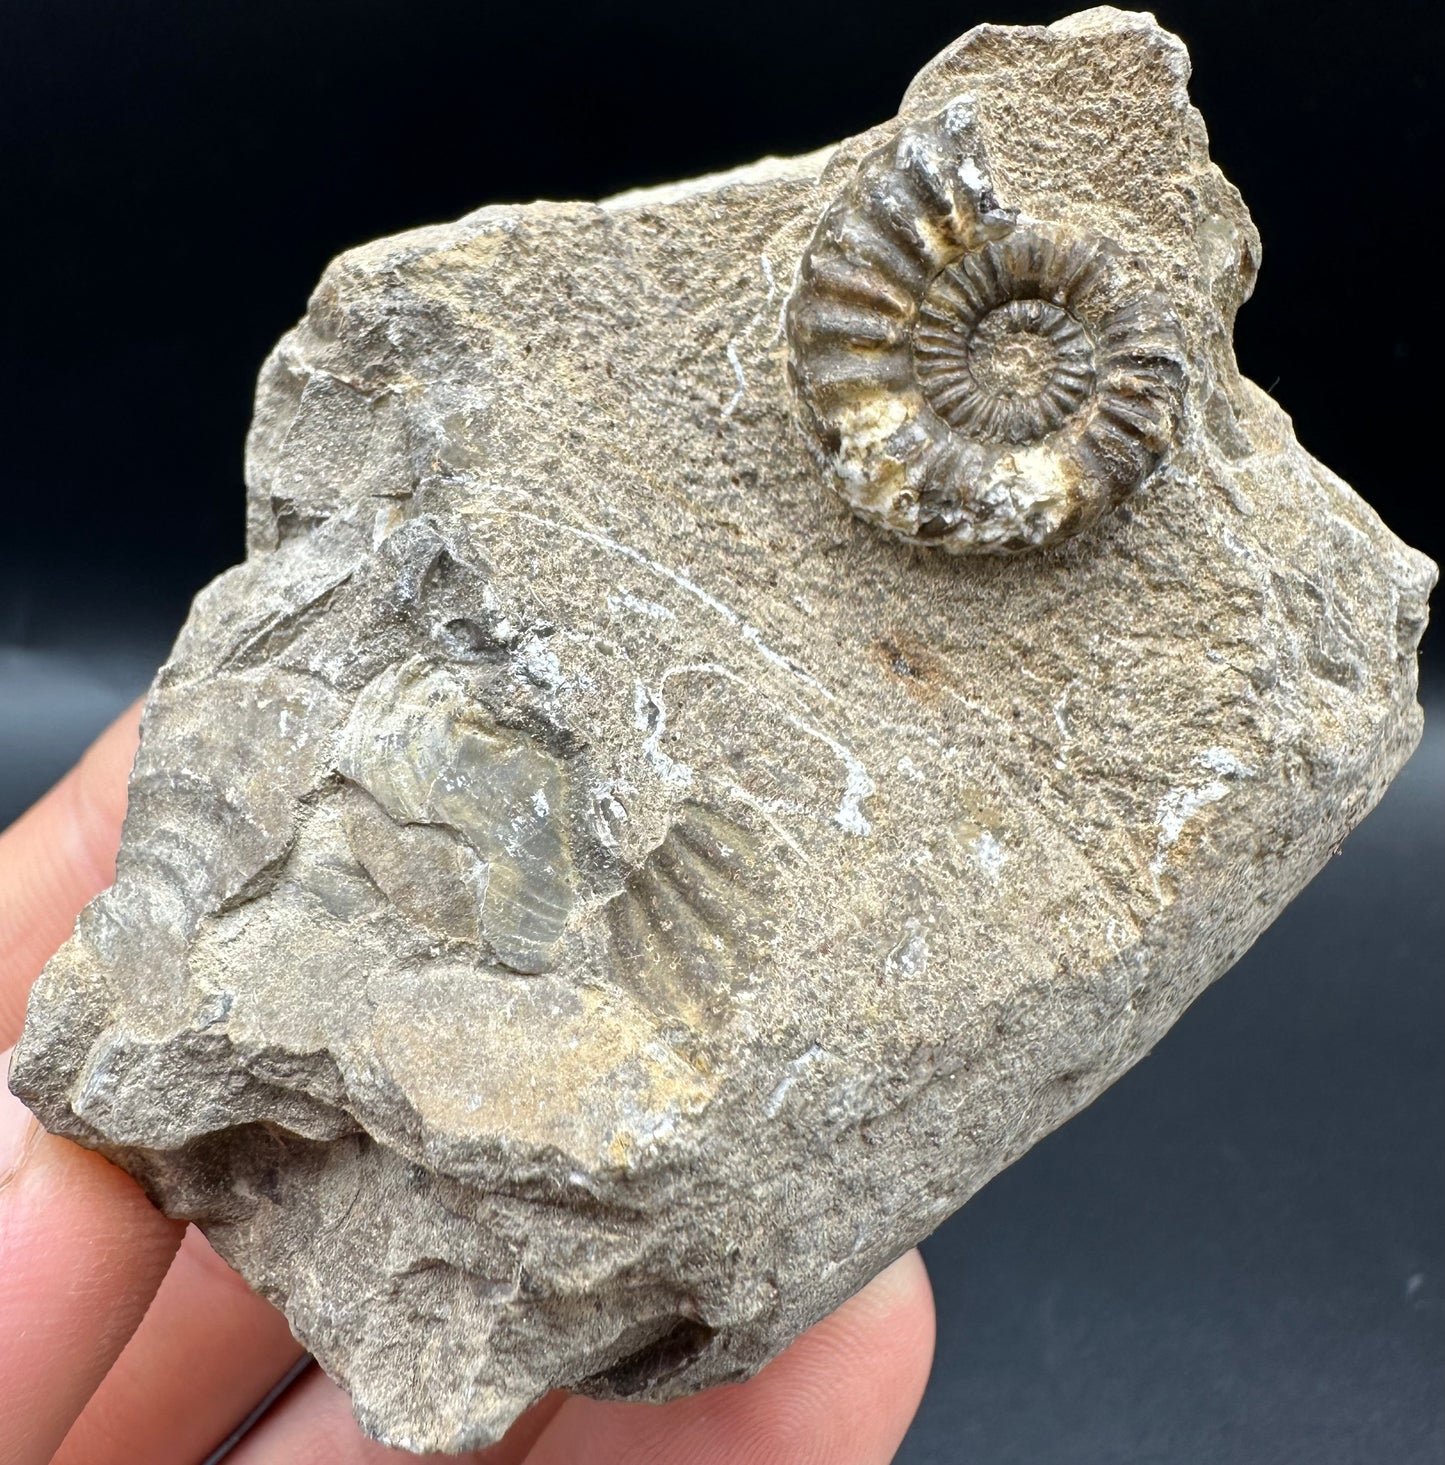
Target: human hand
124, 1338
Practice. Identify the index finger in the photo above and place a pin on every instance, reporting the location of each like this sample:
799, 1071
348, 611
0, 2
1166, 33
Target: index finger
57, 856
82, 1252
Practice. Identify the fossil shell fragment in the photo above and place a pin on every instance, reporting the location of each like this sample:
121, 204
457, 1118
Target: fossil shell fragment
974, 380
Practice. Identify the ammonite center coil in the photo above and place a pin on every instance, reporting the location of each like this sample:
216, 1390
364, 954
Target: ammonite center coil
972, 380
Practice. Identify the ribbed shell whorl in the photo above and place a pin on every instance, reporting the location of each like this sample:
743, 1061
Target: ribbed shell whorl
971, 379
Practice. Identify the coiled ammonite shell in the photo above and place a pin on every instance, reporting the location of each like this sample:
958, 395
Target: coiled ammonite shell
972, 379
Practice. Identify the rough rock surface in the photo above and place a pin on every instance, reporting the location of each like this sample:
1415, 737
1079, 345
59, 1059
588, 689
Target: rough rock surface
589, 901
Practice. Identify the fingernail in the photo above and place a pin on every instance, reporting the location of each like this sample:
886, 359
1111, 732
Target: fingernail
17, 1126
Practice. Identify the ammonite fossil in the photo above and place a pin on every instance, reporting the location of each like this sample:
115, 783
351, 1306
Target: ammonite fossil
972, 379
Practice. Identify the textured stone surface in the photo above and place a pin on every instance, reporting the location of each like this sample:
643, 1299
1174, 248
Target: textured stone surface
589, 900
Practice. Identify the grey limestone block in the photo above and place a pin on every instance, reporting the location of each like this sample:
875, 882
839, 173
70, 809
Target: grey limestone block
747, 705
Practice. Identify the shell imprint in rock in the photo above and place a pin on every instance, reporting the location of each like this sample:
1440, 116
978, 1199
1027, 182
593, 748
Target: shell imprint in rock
973, 380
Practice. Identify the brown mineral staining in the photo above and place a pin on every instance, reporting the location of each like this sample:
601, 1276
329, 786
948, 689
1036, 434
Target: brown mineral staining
971, 380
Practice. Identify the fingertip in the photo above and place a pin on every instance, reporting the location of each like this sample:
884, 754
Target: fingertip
873, 1355
94, 798
843, 1394
57, 856
902, 1286
108, 759
82, 1253
55, 1192
902, 1295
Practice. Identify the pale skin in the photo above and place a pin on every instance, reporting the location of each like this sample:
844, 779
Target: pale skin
124, 1338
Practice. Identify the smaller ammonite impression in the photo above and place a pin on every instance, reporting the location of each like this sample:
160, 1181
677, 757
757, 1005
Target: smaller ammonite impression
971, 379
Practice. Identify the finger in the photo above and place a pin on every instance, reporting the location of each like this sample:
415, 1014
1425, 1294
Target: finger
82, 1253
843, 1394
208, 1350
54, 858
313, 1425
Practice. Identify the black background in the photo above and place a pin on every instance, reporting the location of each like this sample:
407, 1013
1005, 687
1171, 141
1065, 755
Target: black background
176, 175
1235, 1254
